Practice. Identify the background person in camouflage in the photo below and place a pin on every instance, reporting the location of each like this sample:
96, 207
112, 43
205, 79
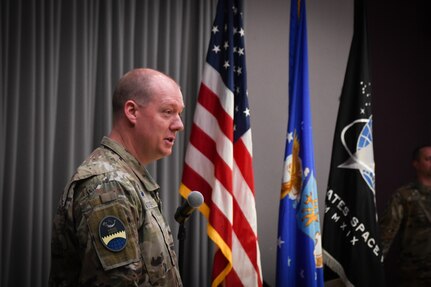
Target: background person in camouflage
409, 214
109, 229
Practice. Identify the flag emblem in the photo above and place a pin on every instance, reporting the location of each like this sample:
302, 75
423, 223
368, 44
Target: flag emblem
362, 159
292, 176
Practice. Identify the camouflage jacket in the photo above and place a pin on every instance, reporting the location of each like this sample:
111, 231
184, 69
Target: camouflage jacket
409, 214
109, 229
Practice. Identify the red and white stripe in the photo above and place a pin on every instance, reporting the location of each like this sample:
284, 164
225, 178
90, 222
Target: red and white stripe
223, 172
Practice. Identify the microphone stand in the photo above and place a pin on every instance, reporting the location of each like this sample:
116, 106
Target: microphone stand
181, 237
194, 200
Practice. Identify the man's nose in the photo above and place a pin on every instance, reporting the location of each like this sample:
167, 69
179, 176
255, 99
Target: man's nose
177, 124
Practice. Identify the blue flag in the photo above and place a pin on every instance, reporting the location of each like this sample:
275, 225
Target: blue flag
299, 252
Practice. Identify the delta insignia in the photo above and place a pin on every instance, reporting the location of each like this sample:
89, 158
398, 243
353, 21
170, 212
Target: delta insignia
112, 233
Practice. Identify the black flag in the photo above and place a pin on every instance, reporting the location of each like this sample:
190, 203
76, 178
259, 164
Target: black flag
351, 244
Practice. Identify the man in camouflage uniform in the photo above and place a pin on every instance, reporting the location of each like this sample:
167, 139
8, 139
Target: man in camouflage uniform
109, 229
409, 214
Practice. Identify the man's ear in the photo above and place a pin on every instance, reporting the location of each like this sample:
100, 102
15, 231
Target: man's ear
130, 110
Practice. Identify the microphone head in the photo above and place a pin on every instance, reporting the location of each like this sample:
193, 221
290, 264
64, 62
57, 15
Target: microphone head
195, 199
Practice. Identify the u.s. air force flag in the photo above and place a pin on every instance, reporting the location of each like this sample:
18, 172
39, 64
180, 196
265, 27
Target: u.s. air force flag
299, 252
351, 245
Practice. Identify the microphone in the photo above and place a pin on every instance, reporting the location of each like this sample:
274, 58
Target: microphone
194, 200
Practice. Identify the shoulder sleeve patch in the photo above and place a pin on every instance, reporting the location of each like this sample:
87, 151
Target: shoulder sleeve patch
114, 233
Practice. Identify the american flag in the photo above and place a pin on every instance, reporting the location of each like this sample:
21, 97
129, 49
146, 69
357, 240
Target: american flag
218, 160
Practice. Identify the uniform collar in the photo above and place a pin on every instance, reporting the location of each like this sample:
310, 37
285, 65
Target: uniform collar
140, 171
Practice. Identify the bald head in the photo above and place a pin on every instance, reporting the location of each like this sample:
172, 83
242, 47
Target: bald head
137, 85
147, 107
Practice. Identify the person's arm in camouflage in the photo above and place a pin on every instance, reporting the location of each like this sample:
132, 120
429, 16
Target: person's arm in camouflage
390, 222
100, 265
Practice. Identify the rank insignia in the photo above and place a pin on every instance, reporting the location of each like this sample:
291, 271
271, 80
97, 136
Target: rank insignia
112, 233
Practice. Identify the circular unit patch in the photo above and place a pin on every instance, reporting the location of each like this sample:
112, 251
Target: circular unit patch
112, 233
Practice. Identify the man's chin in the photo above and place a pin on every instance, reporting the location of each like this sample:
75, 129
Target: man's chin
165, 153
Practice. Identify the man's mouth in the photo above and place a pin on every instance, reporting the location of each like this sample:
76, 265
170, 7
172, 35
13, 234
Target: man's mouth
170, 139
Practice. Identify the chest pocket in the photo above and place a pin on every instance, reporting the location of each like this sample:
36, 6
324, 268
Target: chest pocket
157, 245
113, 233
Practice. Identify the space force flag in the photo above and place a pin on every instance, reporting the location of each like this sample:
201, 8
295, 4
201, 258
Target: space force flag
351, 244
299, 253
219, 161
